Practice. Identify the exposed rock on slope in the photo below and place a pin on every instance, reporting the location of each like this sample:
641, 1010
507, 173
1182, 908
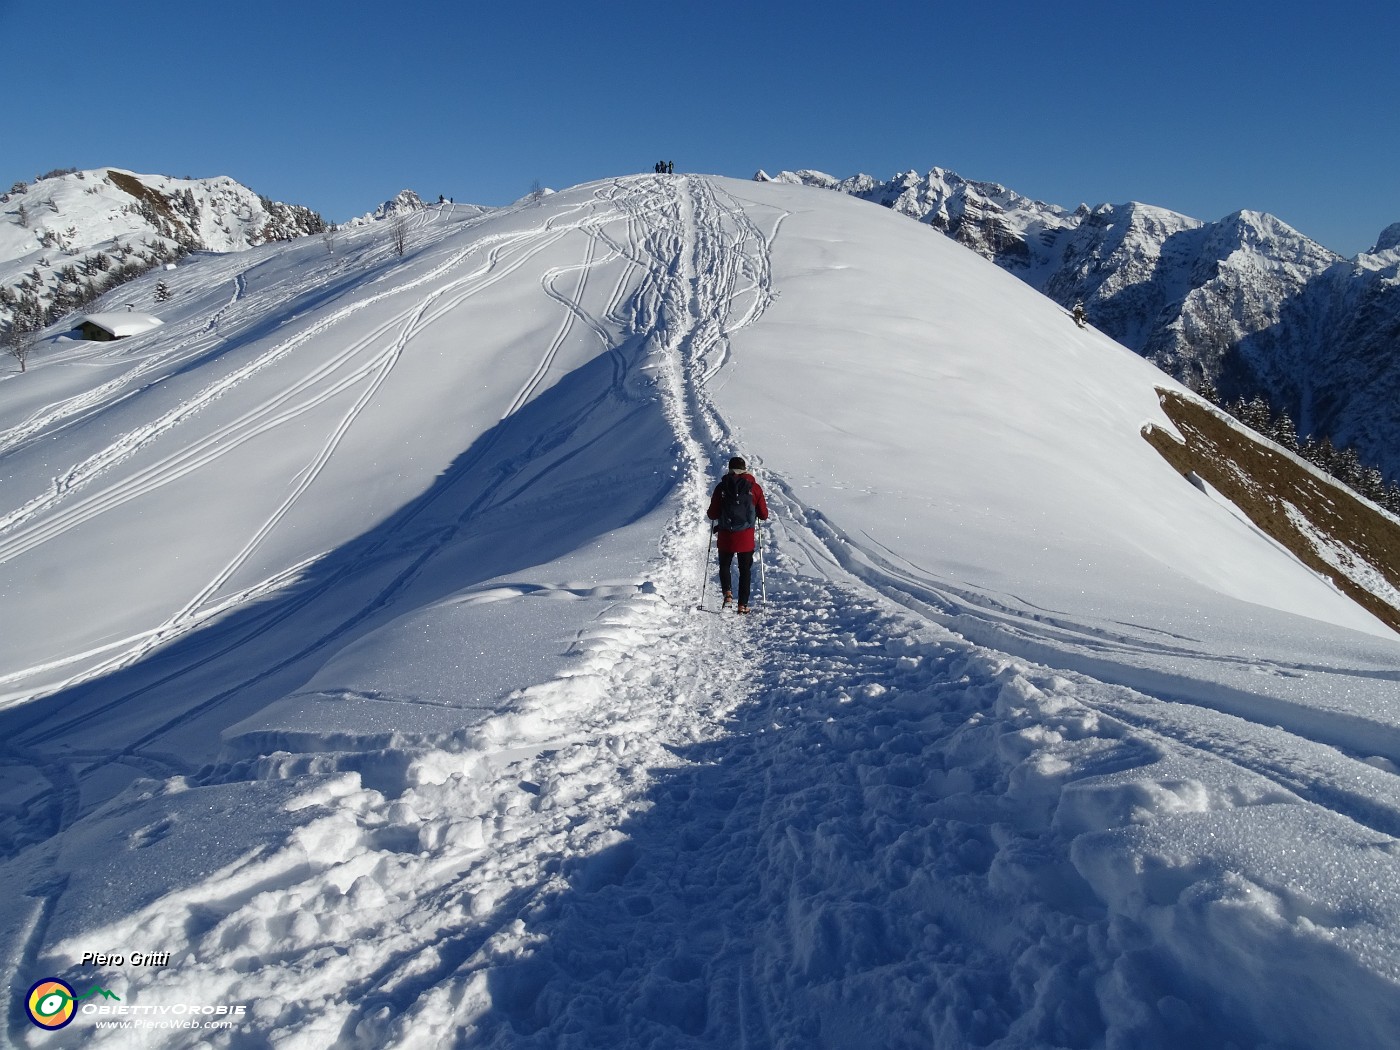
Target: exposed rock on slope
69, 236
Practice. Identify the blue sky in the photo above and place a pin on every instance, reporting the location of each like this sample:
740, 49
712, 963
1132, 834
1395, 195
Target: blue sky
1201, 107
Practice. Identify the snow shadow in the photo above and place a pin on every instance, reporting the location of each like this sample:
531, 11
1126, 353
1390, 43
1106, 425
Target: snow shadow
585, 457
840, 868
868, 855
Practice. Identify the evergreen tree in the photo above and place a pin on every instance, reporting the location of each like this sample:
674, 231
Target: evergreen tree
1205, 387
1347, 468
1325, 455
1372, 484
1257, 415
1285, 432
1391, 500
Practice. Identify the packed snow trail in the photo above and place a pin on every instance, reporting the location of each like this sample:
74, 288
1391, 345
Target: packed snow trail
835, 823
867, 847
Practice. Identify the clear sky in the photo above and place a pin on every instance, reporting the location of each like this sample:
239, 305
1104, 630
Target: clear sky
1201, 106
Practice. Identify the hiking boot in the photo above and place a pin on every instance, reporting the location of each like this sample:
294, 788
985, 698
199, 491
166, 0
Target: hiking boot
743, 610
728, 600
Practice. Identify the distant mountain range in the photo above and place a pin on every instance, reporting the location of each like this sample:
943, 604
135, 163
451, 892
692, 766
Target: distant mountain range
71, 235
1242, 307
1246, 305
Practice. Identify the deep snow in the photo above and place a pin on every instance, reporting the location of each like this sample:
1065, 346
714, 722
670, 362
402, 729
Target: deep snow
353, 658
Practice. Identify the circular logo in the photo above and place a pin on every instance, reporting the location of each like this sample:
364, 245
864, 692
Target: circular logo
50, 1003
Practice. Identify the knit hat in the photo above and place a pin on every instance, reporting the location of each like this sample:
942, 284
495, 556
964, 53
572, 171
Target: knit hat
737, 463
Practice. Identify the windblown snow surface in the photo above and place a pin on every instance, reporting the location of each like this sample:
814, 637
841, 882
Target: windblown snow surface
352, 657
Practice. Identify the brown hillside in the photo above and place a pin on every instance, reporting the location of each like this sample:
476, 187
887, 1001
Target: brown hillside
1360, 541
142, 192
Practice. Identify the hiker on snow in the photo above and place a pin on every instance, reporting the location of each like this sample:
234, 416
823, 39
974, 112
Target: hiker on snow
736, 508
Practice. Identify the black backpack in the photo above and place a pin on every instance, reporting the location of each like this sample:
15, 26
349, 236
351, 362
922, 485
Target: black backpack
736, 506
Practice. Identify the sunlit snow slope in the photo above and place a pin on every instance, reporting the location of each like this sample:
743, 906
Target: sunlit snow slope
353, 657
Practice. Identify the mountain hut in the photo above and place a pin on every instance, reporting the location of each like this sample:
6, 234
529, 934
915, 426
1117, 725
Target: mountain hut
107, 326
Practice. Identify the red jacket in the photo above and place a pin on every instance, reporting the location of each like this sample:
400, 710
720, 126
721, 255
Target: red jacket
741, 540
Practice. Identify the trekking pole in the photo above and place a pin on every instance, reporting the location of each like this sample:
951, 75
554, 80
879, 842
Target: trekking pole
705, 569
762, 569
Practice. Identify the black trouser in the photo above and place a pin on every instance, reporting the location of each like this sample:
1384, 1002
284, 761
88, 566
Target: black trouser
726, 562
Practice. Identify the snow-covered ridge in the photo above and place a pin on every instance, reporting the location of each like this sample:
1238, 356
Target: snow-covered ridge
352, 657
63, 234
407, 203
1246, 303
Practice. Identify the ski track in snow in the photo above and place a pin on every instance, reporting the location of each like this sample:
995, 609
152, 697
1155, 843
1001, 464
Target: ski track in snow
837, 823
364, 363
18, 539
504, 257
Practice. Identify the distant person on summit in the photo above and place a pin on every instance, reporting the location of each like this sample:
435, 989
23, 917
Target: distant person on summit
736, 508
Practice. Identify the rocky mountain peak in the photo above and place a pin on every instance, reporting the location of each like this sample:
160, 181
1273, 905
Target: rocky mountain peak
1246, 304
1388, 240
